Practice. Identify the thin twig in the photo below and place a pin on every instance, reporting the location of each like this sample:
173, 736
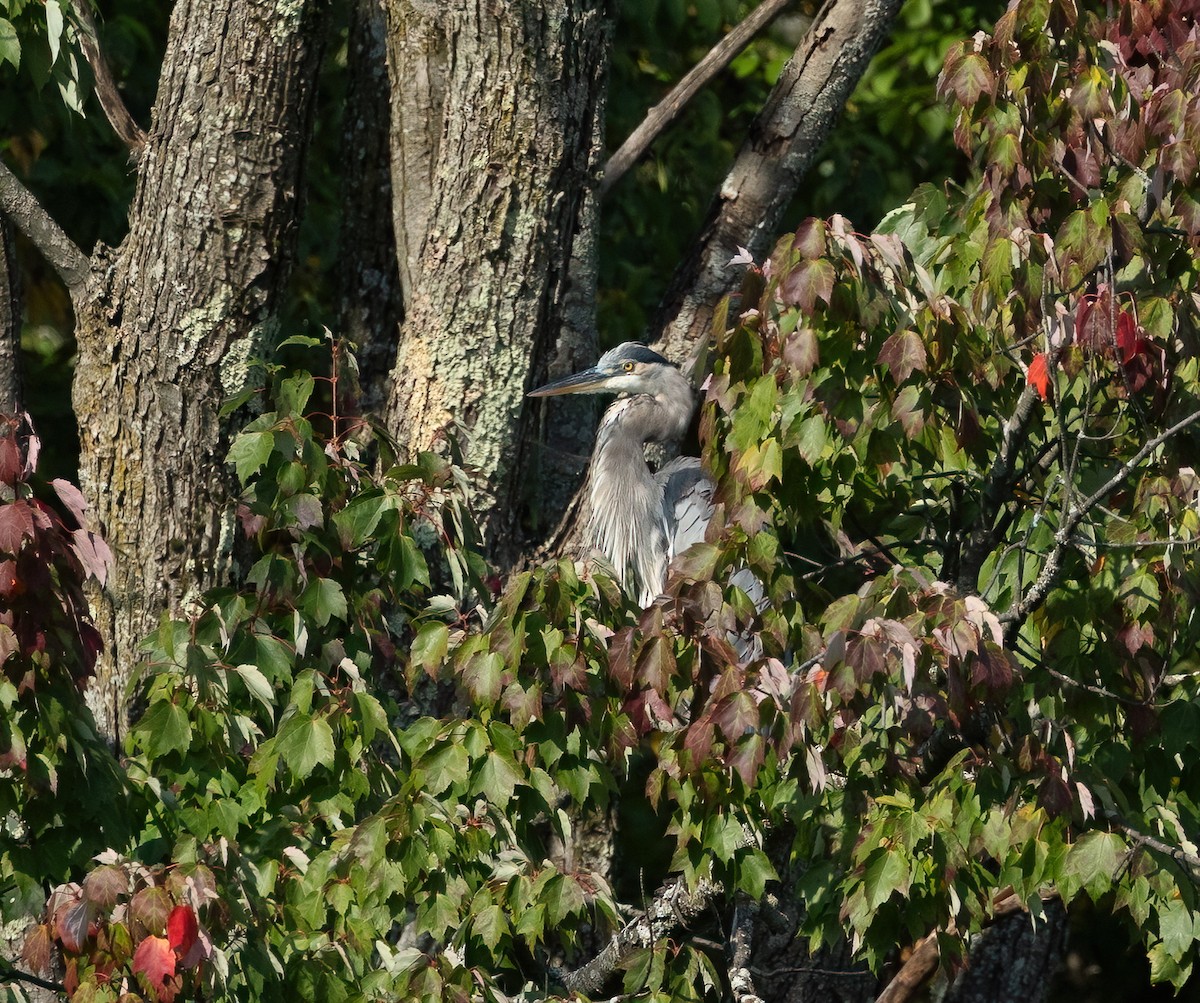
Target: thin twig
107, 91
1189, 861
668, 109
1016, 614
27, 214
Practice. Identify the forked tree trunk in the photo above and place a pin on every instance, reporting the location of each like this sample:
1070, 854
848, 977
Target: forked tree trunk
494, 143
168, 321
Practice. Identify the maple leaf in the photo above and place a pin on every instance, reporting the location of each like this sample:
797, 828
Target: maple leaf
182, 929
1039, 376
156, 961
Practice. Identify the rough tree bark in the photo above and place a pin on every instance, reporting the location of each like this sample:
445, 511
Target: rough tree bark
10, 324
168, 320
493, 137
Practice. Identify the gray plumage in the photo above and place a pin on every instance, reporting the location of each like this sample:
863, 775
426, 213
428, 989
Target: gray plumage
641, 519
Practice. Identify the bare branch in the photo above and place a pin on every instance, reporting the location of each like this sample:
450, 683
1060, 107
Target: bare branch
107, 92
9, 974
1187, 861
668, 109
27, 214
781, 145
741, 981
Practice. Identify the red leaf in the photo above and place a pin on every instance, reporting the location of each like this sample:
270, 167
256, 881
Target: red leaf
182, 929
16, 525
155, 960
1038, 377
1129, 342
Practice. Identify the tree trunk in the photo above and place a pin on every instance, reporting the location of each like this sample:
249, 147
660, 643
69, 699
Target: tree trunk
493, 139
1014, 961
169, 320
10, 324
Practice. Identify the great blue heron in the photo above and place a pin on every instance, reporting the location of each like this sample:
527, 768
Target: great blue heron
641, 519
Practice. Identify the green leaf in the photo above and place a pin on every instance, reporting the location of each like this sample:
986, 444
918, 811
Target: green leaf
324, 600
430, 645
166, 729
10, 45
54, 28
249, 452
886, 874
304, 742
258, 685
1092, 864
495, 778
294, 393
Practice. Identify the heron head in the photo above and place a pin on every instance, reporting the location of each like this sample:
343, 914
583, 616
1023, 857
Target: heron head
631, 368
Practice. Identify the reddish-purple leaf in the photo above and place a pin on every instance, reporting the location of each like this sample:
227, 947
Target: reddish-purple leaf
656, 663
801, 353
16, 525
735, 715
620, 660
903, 353
967, 78
105, 885
182, 929
747, 757
72, 497
37, 949
810, 238
1038, 377
149, 909
71, 922
808, 282
156, 961
93, 554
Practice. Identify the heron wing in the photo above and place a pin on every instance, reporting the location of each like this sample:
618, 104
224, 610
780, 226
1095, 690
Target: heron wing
687, 503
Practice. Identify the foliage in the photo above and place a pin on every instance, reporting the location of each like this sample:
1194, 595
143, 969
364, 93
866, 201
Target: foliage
59, 778
955, 453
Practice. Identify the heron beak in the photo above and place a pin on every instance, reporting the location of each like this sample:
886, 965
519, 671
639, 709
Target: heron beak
590, 381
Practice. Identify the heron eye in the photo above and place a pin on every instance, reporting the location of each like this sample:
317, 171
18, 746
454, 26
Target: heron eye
628, 367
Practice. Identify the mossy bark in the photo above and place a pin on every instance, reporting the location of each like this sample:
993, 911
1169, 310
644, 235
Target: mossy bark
168, 320
494, 138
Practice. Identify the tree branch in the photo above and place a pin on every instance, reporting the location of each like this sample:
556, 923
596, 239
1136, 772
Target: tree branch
10, 325
668, 109
1188, 861
107, 92
1016, 614
27, 214
9, 974
672, 905
782, 144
